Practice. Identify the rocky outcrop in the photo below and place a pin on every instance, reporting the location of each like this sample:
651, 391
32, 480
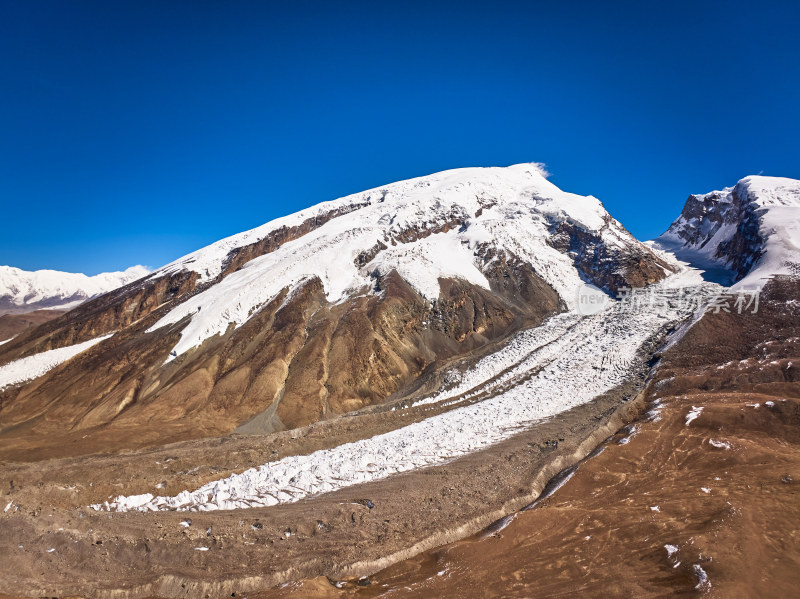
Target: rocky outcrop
747, 230
606, 265
746, 245
725, 223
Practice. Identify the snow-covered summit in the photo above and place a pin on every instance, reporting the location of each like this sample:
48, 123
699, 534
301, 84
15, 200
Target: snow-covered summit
751, 230
404, 204
425, 229
25, 291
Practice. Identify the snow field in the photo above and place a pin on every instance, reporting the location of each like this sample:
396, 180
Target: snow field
24, 287
26, 369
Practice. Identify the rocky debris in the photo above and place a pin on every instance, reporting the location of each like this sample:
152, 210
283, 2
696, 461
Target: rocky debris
703, 506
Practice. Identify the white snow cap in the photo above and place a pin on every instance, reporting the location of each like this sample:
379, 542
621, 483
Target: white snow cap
778, 203
775, 201
514, 208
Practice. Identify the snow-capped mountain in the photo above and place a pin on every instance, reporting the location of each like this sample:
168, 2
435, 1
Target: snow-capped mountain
333, 308
751, 230
24, 291
430, 329
423, 229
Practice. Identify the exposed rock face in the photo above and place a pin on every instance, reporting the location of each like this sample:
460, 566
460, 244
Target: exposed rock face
609, 267
725, 223
746, 246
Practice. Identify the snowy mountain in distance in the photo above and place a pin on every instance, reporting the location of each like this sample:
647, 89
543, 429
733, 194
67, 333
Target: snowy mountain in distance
743, 234
25, 291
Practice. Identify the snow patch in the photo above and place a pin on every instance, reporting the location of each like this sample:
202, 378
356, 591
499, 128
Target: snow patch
703, 582
32, 367
693, 414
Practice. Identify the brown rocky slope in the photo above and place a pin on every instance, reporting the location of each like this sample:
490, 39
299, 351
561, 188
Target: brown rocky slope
12, 325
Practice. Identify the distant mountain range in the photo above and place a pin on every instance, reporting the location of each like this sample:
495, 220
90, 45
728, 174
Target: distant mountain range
25, 291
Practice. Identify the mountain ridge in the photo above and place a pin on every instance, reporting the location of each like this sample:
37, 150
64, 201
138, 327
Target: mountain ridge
26, 291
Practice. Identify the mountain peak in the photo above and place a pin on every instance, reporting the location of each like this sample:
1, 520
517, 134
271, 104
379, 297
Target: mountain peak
743, 234
334, 308
425, 229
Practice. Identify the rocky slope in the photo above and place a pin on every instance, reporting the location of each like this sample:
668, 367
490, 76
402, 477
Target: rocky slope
12, 325
692, 499
23, 291
323, 312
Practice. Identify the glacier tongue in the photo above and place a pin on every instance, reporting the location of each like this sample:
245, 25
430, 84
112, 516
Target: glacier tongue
566, 362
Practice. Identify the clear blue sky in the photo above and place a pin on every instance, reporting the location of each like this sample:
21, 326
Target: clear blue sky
135, 132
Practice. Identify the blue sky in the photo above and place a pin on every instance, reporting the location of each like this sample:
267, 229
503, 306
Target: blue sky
135, 132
